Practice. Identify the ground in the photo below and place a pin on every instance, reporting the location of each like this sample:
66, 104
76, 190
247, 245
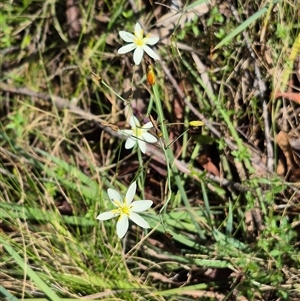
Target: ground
221, 100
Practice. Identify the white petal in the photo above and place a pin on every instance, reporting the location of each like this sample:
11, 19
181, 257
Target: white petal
122, 225
139, 206
134, 122
148, 125
127, 48
130, 143
127, 36
114, 196
151, 40
138, 55
105, 216
137, 28
149, 138
149, 51
138, 220
142, 146
126, 132
130, 193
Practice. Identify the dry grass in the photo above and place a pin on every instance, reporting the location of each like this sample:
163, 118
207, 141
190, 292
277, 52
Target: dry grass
231, 190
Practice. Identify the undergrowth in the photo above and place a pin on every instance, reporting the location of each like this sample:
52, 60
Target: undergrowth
224, 224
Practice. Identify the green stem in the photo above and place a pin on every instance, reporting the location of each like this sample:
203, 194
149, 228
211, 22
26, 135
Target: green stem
172, 169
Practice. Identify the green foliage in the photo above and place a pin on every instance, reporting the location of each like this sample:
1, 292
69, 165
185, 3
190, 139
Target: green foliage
215, 17
16, 124
60, 152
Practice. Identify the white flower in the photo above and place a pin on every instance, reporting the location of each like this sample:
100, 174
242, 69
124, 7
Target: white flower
126, 209
138, 134
138, 43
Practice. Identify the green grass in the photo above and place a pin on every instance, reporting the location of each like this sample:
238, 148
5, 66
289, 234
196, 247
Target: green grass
227, 192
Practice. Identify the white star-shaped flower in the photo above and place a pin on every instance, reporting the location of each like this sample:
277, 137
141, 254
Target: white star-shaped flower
138, 43
138, 135
126, 209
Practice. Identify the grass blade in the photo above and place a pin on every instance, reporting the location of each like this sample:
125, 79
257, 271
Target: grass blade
31, 273
241, 27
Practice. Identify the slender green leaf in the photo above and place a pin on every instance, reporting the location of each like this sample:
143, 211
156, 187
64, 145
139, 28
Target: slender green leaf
29, 271
241, 27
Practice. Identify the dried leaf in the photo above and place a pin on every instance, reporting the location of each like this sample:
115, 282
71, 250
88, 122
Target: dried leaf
168, 21
289, 95
283, 142
208, 165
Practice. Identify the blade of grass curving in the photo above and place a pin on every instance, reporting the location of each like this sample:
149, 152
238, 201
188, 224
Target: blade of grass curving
200, 260
181, 290
31, 273
195, 4
87, 186
186, 240
182, 220
225, 240
70, 169
206, 204
56, 22
7, 294
14, 211
241, 27
115, 16
99, 281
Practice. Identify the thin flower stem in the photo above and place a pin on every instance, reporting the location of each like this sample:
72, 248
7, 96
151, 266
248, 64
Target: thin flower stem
150, 105
108, 87
169, 156
141, 176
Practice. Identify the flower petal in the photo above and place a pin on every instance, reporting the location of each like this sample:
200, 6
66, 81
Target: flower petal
139, 206
134, 122
130, 143
105, 216
138, 220
114, 196
149, 51
126, 132
127, 36
127, 48
137, 28
149, 138
151, 40
138, 54
130, 193
148, 125
142, 146
122, 225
